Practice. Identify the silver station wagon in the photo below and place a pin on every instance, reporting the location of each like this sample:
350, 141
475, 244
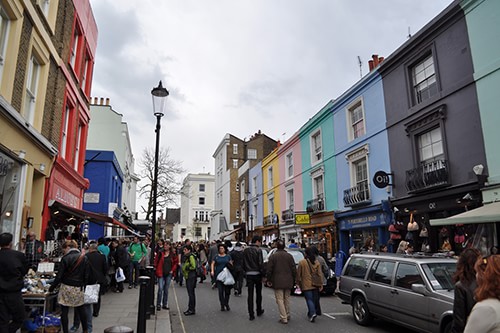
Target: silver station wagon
412, 291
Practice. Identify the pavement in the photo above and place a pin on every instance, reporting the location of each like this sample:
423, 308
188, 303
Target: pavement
121, 309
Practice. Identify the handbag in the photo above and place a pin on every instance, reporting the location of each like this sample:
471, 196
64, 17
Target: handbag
91, 294
423, 232
392, 228
395, 236
297, 290
119, 276
316, 279
412, 225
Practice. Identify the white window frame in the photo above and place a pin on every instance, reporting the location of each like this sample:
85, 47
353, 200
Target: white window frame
318, 191
316, 147
74, 48
32, 78
83, 83
202, 201
201, 187
423, 75
270, 180
4, 36
254, 186
353, 158
289, 165
77, 147
431, 144
270, 204
64, 139
235, 164
252, 154
235, 149
357, 106
243, 191
290, 197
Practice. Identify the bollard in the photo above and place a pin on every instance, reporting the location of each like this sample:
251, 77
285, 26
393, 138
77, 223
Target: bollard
141, 316
151, 291
118, 329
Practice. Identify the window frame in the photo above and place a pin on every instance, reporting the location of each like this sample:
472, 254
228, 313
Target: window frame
290, 199
201, 187
355, 105
289, 165
270, 177
201, 201
430, 50
314, 148
33, 74
5, 24
235, 149
252, 154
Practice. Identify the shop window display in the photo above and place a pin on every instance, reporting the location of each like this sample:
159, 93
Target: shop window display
10, 179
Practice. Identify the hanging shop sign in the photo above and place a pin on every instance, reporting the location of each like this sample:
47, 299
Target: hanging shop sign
302, 219
381, 179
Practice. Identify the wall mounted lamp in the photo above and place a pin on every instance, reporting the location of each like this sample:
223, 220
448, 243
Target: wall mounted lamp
20, 153
41, 167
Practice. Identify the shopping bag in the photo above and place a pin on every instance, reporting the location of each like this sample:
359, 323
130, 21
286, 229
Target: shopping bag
119, 275
297, 290
91, 293
226, 277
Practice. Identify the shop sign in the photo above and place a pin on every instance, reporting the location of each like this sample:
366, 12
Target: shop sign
66, 197
91, 197
362, 221
302, 219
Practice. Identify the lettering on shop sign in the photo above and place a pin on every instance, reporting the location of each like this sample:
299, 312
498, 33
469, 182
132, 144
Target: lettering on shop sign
364, 219
302, 219
66, 197
432, 205
91, 197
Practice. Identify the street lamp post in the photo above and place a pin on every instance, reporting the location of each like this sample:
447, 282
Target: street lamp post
159, 102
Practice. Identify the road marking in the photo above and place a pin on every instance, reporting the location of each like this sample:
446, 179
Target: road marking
178, 309
332, 315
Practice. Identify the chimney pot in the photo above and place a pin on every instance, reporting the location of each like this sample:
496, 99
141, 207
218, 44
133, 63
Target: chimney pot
101, 101
107, 101
370, 65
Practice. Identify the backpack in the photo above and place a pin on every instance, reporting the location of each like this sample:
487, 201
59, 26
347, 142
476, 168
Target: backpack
199, 267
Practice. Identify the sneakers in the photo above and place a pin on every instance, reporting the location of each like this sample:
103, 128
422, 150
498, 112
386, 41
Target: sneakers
165, 307
312, 318
158, 308
130, 286
73, 329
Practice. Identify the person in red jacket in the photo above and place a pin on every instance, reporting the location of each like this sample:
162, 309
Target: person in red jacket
164, 268
175, 261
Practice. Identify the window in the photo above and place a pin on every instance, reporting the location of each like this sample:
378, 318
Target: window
360, 169
74, 48
243, 190
424, 79
252, 154
183, 232
254, 186
357, 268
289, 165
406, 275
4, 35
270, 177
235, 148
85, 73
65, 129
289, 198
237, 187
318, 186
201, 187
31, 89
381, 272
77, 147
201, 200
316, 149
235, 164
270, 205
430, 146
197, 231
356, 119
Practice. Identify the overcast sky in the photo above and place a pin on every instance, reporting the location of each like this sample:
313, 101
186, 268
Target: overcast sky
237, 66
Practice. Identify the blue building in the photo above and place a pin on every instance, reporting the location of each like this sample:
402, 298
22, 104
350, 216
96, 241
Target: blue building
105, 192
361, 150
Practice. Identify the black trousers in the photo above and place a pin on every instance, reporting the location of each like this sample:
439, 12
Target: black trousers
81, 313
11, 312
238, 279
190, 286
254, 282
224, 293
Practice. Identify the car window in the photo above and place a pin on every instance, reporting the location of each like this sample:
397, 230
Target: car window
440, 275
381, 271
406, 275
357, 267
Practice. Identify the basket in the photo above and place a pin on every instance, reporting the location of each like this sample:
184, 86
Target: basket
48, 329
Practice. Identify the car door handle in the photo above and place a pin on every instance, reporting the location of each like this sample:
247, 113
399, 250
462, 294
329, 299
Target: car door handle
394, 291
367, 285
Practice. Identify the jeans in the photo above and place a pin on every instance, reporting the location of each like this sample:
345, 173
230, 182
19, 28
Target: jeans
88, 312
133, 279
190, 286
11, 308
163, 285
254, 281
238, 279
224, 292
180, 276
312, 301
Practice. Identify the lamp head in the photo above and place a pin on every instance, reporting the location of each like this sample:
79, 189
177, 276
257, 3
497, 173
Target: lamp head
159, 100
478, 169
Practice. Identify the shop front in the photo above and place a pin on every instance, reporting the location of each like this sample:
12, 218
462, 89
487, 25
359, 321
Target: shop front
358, 225
321, 232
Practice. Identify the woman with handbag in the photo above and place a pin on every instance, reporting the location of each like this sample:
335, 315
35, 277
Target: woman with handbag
310, 281
221, 261
72, 277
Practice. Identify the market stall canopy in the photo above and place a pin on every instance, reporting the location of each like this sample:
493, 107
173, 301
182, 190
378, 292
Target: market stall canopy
81, 214
485, 214
223, 235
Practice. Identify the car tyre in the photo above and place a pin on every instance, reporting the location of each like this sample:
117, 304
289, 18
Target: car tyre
360, 311
447, 328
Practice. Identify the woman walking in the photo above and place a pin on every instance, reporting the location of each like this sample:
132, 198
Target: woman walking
164, 269
465, 285
309, 278
220, 261
72, 275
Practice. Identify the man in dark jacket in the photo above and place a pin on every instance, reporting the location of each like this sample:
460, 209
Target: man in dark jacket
14, 267
281, 273
98, 271
253, 264
238, 272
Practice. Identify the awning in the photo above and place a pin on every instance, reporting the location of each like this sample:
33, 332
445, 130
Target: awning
485, 214
90, 216
317, 225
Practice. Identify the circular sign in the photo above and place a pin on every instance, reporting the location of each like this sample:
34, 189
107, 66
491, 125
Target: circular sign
381, 179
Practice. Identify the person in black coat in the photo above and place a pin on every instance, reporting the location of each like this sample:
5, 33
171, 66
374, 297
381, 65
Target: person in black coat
122, 260
14, 267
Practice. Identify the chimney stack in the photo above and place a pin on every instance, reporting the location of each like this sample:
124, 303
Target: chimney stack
376, 60
101, 101
107, 101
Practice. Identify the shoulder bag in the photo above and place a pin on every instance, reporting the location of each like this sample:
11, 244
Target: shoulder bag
316, 279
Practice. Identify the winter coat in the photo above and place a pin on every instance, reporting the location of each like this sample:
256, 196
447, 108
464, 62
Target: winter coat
253, 261
70, 274
14, 268
281, 271
98, 267
164, 264
462, 305
304, 274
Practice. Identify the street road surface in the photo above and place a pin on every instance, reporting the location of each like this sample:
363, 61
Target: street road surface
337, 317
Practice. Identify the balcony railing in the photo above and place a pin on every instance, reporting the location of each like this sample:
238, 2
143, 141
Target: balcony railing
268, 220
316, 205
427, 176
357, 195
288, 215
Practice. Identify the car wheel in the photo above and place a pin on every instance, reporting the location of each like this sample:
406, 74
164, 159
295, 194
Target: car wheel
447, 328
360, 311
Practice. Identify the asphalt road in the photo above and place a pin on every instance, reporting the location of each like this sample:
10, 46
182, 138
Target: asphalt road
337, 317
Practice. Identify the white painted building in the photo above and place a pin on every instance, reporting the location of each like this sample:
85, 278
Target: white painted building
108, 131
197, 204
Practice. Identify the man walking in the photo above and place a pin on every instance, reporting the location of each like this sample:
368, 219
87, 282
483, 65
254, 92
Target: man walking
238, 272
189, 272
137, 252
253, 264
14, 267
281, 274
